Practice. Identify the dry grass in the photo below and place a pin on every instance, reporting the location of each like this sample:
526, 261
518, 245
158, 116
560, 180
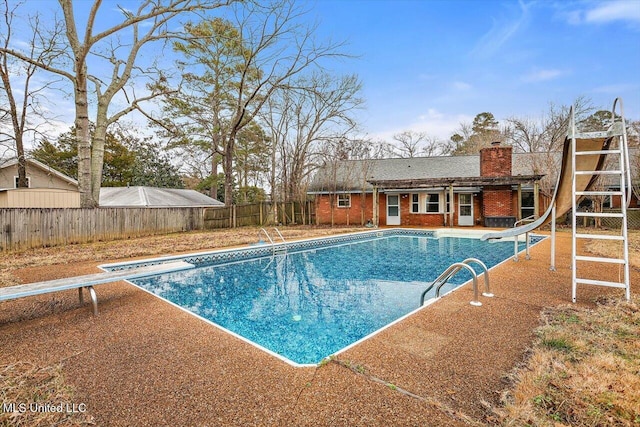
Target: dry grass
27, 386
584, 369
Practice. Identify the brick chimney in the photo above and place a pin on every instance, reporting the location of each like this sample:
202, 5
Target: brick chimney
495, 160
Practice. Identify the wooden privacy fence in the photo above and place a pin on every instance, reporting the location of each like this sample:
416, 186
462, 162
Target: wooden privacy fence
260, 214
35, 227
41, 227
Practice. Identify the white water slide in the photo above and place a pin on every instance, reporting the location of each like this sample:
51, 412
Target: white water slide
583, 161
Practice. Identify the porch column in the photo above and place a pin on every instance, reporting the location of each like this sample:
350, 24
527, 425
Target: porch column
519, 204
375, 206
536, 201
451, 205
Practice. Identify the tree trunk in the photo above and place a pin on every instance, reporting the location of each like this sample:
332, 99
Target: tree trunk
97, 152
213, 191
228, 169
22, 162
83, 139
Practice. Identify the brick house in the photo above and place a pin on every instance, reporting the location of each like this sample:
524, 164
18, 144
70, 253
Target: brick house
495, 188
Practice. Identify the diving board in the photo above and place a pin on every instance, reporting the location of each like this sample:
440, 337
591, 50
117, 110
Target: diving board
88, 281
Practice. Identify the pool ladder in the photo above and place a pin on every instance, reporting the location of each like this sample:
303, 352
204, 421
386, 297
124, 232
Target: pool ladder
454, 269
278, 249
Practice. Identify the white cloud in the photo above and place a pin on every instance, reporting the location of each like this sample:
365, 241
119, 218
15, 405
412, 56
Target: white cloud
501, 32
461, 86
542, 75
619, 10
433, 123
616, 89
604, 13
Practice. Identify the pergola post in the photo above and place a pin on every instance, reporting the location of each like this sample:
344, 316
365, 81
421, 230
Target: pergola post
375, 206
519, 204
536, 202
451, 205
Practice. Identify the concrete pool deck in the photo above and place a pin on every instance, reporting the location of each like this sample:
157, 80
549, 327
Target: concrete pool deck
145, 362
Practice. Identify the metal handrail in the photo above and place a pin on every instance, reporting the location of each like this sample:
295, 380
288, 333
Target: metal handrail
266, 233
280, 235
485, 271
273, 244
530, 218
449, 273
624, 148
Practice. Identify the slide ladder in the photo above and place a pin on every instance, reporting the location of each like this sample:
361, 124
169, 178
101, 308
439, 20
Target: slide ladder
584, 158
620, 170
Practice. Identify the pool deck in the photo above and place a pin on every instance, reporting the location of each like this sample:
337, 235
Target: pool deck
144, 362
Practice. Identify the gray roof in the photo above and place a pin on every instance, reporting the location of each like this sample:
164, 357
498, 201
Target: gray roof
154, 197
354, 174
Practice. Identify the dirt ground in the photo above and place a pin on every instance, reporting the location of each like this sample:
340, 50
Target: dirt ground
144, 362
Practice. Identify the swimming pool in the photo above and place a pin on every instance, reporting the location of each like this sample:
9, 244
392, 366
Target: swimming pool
320, 295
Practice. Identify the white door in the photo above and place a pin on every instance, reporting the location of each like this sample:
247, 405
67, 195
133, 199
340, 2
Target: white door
465, 209
393, 209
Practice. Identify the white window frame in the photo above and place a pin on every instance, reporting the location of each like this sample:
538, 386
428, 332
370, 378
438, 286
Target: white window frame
422, 203
415, 202
531, 208
15, 181
427, 203
341, 199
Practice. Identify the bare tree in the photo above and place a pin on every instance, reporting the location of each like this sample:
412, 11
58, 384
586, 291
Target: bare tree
115, 65
544, 136
303, 117
409, 142
412, 144
22, 99
259, 50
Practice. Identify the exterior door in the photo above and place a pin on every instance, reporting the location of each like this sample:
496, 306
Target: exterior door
465, 209
393, 209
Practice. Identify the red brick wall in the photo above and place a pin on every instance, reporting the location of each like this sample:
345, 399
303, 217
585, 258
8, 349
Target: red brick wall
495, 161
498, 201
616, 202
343, 216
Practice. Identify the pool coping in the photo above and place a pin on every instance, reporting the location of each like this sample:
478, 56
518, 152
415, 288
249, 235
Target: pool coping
255, 251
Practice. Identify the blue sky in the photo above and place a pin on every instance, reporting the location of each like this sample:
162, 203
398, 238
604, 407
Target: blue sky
428, 65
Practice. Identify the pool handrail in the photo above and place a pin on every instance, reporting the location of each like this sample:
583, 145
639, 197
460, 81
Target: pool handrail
273, 244
449, 273
487, 292
529, 219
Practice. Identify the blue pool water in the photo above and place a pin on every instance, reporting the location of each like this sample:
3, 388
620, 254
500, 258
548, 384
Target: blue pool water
309, 304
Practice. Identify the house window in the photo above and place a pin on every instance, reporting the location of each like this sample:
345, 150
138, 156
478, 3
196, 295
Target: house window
527, 204
344, 200
425, 203
448, 203
15, 182
432, 202
606, 203
415, 203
